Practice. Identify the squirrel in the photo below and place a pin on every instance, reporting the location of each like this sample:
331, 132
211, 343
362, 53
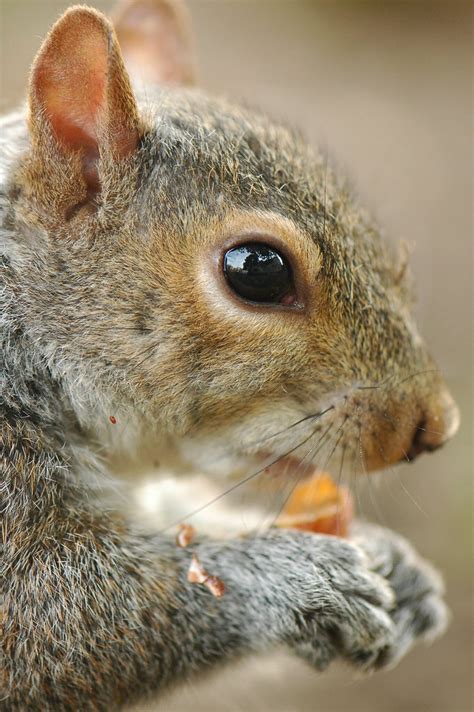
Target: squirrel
182, 278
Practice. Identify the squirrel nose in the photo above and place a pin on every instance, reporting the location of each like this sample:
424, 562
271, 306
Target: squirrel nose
437, 425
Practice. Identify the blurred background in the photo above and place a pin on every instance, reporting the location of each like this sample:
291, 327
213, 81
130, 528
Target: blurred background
386, 87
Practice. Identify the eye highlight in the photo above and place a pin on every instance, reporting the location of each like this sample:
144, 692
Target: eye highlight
259, 273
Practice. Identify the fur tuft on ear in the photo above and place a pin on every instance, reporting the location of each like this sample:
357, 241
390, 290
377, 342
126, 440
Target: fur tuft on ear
80, 93
156, 40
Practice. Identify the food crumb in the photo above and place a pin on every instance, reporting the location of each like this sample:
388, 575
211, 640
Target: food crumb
198, 574
185, 535
215, 585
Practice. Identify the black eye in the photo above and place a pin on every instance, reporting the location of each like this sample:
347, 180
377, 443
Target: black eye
258, 273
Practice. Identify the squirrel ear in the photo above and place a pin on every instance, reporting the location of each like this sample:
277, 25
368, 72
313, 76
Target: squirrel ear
80, 92
156, 40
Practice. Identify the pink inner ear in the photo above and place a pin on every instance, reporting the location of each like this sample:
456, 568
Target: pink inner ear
80, 86
70, 81
75, 114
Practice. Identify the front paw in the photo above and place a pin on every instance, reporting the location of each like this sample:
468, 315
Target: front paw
341, 607
420, 612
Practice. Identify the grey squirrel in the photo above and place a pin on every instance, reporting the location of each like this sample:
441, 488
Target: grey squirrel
195, 272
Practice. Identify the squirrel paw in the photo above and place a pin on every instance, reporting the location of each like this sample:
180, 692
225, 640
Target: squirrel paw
420, 612
341, 606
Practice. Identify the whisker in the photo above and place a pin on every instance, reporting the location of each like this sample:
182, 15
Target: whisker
313, 451
311, 416
238, 450
416, 373
339, 479
319, 446
395, 471
341, 465
322, 442
353, 484
328, 459
374, 386
375, 505
386, 479
408, 493
241, 482
341, 431
431, 432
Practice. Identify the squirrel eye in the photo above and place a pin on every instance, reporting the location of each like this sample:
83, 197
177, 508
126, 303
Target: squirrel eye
259, 273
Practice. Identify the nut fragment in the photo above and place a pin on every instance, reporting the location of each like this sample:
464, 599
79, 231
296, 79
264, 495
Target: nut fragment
185, 535
215, 585
198, 574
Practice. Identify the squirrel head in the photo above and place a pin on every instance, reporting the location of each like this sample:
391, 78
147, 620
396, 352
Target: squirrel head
198, 271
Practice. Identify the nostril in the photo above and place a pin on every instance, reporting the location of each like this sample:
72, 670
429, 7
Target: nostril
437, 425
422, 441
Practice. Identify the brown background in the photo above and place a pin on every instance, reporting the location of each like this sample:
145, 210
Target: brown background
386, 86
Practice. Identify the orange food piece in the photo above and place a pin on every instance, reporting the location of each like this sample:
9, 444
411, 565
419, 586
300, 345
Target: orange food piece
318, 505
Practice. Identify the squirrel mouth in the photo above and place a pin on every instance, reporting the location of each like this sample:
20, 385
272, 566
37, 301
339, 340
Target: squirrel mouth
316, 503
